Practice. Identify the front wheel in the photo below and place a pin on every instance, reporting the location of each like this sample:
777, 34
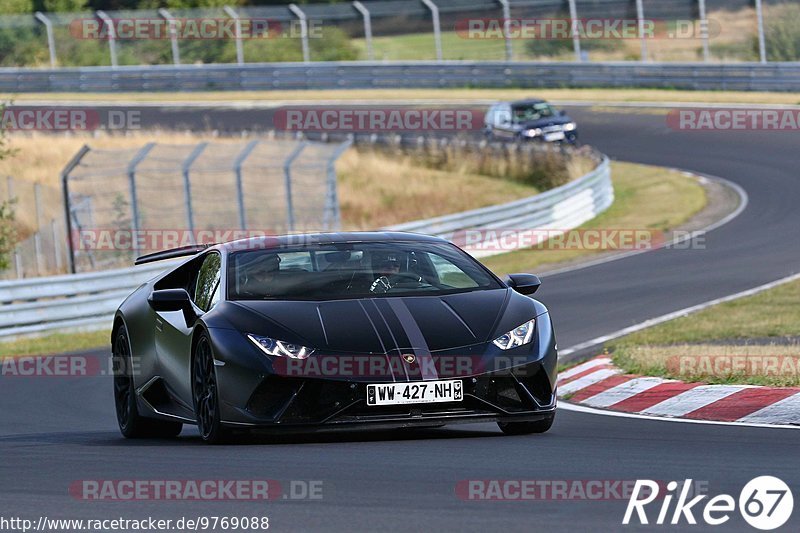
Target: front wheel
527, 428
132, 425
205, 393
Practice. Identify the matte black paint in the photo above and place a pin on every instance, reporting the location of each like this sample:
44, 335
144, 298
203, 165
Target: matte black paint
455, 325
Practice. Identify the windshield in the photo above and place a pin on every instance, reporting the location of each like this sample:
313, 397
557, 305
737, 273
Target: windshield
354, 270
532, 112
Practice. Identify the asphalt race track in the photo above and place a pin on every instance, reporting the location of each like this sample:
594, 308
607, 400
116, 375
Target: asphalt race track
56, 431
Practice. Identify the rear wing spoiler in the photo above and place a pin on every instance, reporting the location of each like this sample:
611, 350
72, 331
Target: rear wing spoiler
183, 251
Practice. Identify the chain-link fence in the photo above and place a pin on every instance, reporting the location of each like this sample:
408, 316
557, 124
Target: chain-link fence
125, 203
39, 222
656, 30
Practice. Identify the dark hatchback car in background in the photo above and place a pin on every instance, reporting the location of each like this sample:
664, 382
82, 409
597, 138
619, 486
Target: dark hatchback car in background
529, 120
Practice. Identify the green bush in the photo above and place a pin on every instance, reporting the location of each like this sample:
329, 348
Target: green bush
560, 47
22, 47
782, 33
8, 233
527, 164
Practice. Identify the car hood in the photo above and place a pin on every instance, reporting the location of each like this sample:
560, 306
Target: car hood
380, 325
545, 122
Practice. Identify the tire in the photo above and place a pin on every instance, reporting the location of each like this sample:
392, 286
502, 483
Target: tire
527, 428
132, 425
205, 393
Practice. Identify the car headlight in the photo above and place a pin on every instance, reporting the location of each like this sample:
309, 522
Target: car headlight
280, 348
518, 336
532, 133
570, 126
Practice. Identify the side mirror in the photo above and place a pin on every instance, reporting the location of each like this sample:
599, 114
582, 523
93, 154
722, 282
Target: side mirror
562, 113
526, 284
173, 300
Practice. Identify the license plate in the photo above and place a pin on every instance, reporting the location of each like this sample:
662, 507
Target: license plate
556, 136
416, 392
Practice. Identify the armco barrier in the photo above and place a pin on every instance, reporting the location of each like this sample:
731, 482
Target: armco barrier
61, 303
393, 75
562, 208
88, 301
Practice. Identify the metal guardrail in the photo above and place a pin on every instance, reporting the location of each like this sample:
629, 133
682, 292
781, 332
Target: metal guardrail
560, 209
393, 75
87, 301
60, 303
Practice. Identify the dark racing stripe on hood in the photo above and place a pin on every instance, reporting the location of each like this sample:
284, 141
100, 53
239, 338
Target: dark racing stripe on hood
420, 349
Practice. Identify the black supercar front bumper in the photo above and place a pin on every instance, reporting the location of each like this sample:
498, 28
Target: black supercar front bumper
520, 394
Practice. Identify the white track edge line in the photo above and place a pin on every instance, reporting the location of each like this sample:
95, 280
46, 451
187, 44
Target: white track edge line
744, 201
678, 314
619, 414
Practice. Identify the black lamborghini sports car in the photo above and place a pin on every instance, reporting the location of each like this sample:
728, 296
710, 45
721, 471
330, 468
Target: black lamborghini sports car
327, 331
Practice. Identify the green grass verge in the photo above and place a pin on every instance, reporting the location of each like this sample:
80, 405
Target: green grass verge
773, 314
56, 343
646, 197
421, 46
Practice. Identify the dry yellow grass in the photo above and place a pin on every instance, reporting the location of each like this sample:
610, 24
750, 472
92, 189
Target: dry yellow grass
41, 157
735, 29
376, 191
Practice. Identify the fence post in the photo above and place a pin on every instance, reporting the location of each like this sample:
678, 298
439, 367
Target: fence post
507, 29
56, 247
367, 27
173, 35
37, 236
576, 36
238, 29
331, 216
762, 43
287, 174
18, 266
704, 29
237, 168
112, 36
16, 260
51, 43
301, 16
640, 17
187, 184
64, 177
437, 30
135, 217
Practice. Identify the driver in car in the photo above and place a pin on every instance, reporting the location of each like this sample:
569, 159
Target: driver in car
390, 276
388, 270
261, 275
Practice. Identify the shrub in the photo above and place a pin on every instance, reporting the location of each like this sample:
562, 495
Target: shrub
8, 233
543, 167
782, 33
